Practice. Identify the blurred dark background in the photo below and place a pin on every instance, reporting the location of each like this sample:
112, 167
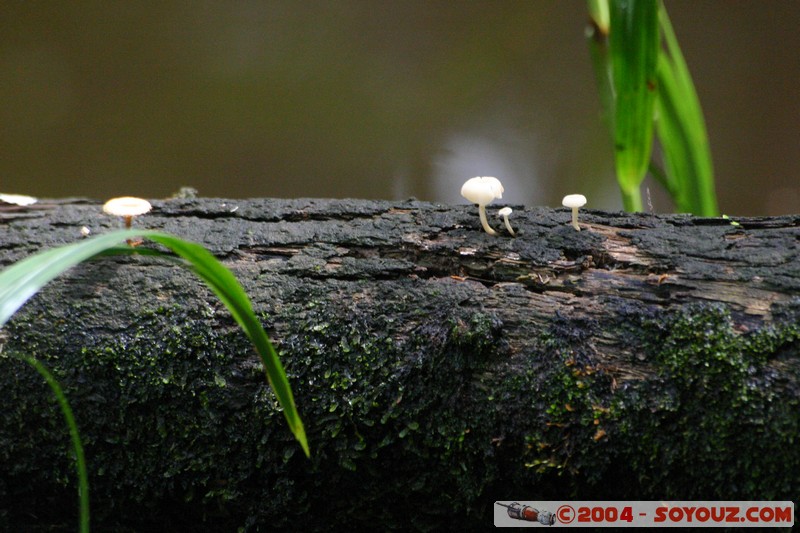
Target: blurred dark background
360, 98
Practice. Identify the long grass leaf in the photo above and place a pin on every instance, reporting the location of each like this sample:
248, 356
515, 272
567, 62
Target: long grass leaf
21, 281
634, 45
230, 292
682, 131
77, 446
597, 34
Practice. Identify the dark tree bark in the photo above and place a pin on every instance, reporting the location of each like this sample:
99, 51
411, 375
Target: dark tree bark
437, 368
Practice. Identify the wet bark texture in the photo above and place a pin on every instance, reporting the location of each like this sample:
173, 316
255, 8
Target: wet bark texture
437, 368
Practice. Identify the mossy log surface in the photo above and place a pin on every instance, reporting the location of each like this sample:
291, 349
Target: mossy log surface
437, 368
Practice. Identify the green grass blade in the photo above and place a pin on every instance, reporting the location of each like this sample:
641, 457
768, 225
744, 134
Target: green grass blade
634, 46
77, 446
230, 292
682, 131
21, 281
597, 34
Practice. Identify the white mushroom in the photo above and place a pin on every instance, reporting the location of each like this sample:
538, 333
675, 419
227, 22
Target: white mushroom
574, 201
481, 191
127, 207
505, 212
18, 199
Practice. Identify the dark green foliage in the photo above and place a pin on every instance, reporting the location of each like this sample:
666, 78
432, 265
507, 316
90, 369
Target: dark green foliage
643, 86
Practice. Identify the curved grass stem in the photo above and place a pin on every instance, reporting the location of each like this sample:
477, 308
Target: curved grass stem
77, 446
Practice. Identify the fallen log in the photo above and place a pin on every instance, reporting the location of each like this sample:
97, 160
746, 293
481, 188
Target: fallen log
437, 368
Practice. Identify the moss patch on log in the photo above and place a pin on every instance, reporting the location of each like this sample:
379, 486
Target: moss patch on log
719, 396
719, 416
417, 417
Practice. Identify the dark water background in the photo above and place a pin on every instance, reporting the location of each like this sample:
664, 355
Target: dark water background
371, 99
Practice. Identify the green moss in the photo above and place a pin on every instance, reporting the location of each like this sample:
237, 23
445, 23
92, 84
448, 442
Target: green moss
563, 449
402, 409
716, 417
714, 424
178, 419
353, 387
141, 449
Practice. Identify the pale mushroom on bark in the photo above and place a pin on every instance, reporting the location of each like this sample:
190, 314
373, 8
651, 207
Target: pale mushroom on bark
18, 199
482, 190
574, 202
505, 213
127, 207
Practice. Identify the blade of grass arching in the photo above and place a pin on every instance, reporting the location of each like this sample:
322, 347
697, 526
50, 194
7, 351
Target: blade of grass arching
682, 130
230, 292
634, 45
19, 282
597, 34
672, 137
77, 446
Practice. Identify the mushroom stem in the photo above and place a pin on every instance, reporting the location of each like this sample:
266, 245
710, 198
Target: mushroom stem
484, 222
505, 213
508, 225
575, 219
128, 221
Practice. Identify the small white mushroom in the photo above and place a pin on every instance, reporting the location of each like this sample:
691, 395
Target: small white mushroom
482, 190
505, 213
575, 202
18, 199
127, 207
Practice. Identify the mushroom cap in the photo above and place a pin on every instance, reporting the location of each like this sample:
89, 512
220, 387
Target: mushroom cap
126, 206
574, 200
18, 199
505, 212
482, 190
